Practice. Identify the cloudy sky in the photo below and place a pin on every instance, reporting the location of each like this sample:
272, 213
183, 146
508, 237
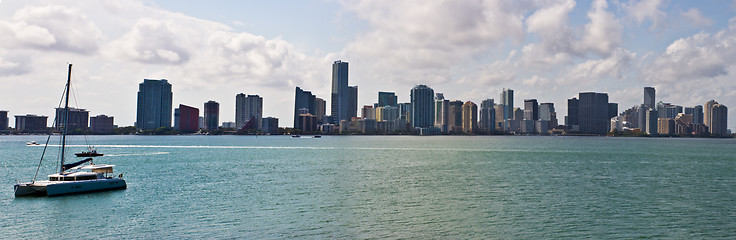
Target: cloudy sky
469, 50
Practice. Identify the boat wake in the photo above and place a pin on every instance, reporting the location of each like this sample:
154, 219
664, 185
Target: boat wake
138, 154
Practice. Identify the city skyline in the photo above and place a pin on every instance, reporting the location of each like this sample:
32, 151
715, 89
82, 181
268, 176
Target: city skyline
210, 54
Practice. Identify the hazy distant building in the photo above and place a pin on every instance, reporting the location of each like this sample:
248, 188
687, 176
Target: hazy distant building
320, 110
707, 112
455, 116
303, 100
470, 117
248, 109
228, 125
352, 101
387, 113
270, 125
340, 93
718, 120
612, 110
368, 112
649, 97
308, 122
547, 113
422, 106
3, 120
78, 119
31, 123
487, 115
593, 113
387, 99
154, 104
188, 119
211, 115
518, 114
531, 109
101, 124
500, 122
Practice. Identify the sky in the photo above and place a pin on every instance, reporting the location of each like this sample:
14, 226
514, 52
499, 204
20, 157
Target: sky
469, 50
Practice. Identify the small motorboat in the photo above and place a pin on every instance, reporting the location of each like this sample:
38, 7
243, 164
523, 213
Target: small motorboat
32, 143
89, 153
296, 136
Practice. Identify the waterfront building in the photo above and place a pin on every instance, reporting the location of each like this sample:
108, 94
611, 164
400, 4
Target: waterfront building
707, 112
320, 108
101, 124
340, 95
78, 119
487, 115
665, 126
368, 112
422, 106
230, 125
387, 113
547, 113
612, 110
697, 113
211, 115
649, 97
441, 113
3, 120
507, 100
531, 109
593, 113
270, 125
470, 117
572, 114
500, 124
650, 126
405, 111
518, 114
200, 122
188, 119
718, 120
248, 109
387, 99
31, 122
307, 122
455, 116
352, 101
303, 100
542, 127
154, 104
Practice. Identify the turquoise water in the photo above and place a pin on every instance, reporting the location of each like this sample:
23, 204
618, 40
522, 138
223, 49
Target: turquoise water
377, 187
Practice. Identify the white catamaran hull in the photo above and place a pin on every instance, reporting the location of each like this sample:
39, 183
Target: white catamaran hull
46, 188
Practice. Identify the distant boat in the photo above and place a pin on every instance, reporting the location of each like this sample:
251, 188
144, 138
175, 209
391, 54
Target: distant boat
32, 143
296, 136
71, 179
317, 136
91, 152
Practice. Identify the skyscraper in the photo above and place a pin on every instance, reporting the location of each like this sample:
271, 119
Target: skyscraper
531, 109
30, 122
422, 106
319, 110
3, 120
101, 124
652, 118
154, 104
340, 93
441, 112
487, 115
507, 100
211, 115
352, 102
270, 125
188, 119
455, 116
387, 99
572, 113
697, 113
649, 99
547, 113
303, 100
470, 117
593, 113
718, 120
248, 109
612, 110
707, 112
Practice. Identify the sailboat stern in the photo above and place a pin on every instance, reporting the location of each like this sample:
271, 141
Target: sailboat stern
29, 189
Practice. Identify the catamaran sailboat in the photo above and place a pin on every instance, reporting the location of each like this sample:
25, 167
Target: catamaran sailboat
75, 177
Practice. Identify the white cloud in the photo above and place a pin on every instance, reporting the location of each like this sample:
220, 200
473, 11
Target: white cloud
51, 27
603, 33
643, 10
152, 41
696, 18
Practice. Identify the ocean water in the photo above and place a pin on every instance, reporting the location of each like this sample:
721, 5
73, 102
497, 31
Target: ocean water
383, 187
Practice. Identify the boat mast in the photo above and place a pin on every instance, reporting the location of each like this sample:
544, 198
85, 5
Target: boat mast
66, 119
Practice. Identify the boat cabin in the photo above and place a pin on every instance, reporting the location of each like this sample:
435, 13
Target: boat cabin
97, 171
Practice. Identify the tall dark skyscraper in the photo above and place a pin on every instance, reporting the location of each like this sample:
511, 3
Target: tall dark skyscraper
340, 93
531, 109
718, 120
507, 100
3, 120
352, 102
593, 113
612, 110
154, 104
572, 112
649, 98
422, 106
387, 99
697, 113
211, 115
455, 116
248, 109
303, 100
